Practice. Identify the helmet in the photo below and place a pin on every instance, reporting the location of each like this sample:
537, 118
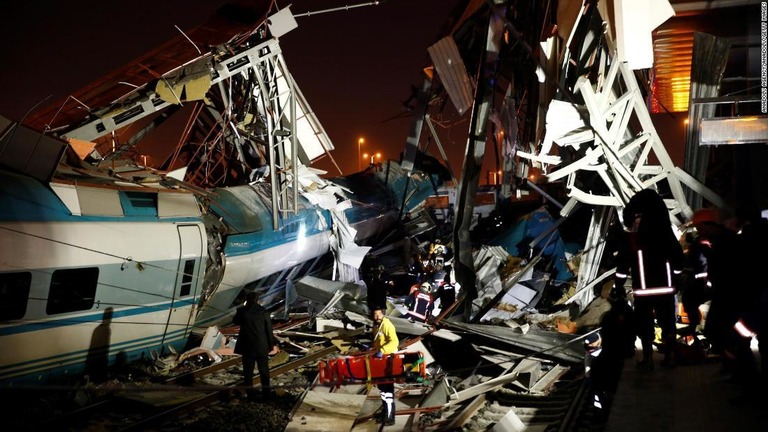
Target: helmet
705, 215
426, 287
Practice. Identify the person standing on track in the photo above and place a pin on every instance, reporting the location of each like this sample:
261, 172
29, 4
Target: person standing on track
255, 342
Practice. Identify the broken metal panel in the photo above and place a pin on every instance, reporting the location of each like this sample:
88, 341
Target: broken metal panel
326, 411
38, 161
323, 291
549, 378
710, 57
543, 343
510, 423
459, 419
481, 388
482, 305
488, 261
633, 22
594, 248
438, 395
453, 74
282, 22
733, 130
189, 83
528, 373
406, 326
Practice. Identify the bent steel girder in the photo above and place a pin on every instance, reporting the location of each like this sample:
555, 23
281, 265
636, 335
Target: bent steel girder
619, 144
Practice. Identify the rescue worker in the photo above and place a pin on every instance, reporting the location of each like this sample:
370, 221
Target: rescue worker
420, 303
415, 269
694, 283
436, 248
385, 342
447, 295
439, 273
651, 252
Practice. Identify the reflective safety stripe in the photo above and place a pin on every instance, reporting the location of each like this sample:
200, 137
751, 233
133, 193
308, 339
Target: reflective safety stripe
669, 274
418, 315
743, 330
701, 275
641, 265
621, 275
653, 291
641, 271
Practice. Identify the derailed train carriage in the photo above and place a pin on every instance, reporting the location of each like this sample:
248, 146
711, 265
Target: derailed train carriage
97, 271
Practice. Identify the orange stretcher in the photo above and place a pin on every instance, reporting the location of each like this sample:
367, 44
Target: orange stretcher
396, 367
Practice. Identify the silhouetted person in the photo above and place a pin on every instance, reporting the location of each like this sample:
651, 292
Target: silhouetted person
720, 251
617, 342
752, 307
255, 342
97, 363
694, 283
377, 289
651, 253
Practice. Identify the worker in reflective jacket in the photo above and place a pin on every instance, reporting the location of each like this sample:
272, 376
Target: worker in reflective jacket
385, 342
420, 303
652, 255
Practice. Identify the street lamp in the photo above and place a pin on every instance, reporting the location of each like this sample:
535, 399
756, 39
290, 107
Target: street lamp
373, 156
360, 142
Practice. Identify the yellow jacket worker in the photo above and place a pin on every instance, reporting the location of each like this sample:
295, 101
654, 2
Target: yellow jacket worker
385, 341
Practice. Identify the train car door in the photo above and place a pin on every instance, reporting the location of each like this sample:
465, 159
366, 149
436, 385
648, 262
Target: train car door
188, 283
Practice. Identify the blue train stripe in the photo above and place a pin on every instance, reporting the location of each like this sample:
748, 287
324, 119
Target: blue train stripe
137, 346
95, 317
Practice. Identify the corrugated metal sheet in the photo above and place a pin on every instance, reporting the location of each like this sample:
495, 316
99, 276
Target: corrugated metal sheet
447, 60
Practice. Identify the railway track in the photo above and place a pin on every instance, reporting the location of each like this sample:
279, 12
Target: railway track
171, 403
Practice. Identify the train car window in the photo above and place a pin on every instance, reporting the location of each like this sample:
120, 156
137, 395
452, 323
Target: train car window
14, 293
186, 279
72, 290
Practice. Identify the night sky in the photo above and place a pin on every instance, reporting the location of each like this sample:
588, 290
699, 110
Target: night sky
356, 67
